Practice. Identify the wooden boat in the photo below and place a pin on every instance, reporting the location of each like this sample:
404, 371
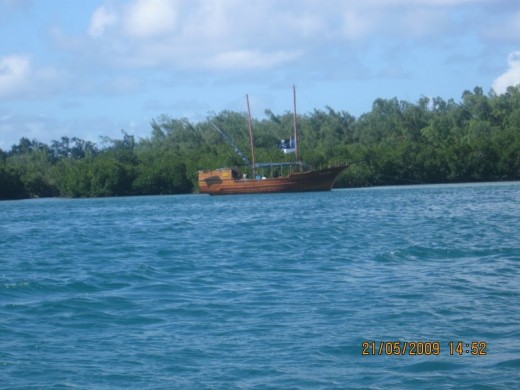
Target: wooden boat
267, 177
227, 181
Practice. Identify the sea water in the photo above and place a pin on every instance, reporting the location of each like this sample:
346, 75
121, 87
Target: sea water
308, 290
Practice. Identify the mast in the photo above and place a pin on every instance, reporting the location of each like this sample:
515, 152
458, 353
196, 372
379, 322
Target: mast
295, 126
251, 138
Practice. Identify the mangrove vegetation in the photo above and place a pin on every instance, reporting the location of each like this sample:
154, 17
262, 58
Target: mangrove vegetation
430, 141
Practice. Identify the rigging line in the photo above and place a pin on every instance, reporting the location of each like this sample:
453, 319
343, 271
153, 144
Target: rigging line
231, 143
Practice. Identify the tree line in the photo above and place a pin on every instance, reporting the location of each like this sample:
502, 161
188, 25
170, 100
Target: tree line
397, 142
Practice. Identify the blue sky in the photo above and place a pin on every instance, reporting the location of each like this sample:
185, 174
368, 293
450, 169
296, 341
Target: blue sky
91, 68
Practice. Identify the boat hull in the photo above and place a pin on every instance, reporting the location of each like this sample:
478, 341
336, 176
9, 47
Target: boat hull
226, 182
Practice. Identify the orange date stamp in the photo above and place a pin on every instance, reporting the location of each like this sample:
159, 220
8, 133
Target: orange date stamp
422, 348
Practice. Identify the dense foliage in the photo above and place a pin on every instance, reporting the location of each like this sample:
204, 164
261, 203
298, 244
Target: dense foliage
397, 142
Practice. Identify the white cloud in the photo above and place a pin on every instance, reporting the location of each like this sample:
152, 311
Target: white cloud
150, 18
20, 78
357, 25
195, 37
511, 77
14, 72
204, 35
229, 34
102, 18
250, 59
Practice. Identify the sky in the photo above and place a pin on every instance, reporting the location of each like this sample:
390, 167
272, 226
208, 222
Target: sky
93, 68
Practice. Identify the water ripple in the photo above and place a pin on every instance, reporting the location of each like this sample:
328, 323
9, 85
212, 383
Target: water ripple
261, 291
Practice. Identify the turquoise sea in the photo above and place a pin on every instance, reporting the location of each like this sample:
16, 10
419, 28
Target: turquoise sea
264, 291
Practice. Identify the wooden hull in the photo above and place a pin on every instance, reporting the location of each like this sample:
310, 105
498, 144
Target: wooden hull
226, 182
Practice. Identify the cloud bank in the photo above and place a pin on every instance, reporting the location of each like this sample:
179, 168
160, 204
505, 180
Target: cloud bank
219, 35
14, 73
110, 57
233, 38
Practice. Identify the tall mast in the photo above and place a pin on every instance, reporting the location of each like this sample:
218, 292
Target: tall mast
251, 138
295, 126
